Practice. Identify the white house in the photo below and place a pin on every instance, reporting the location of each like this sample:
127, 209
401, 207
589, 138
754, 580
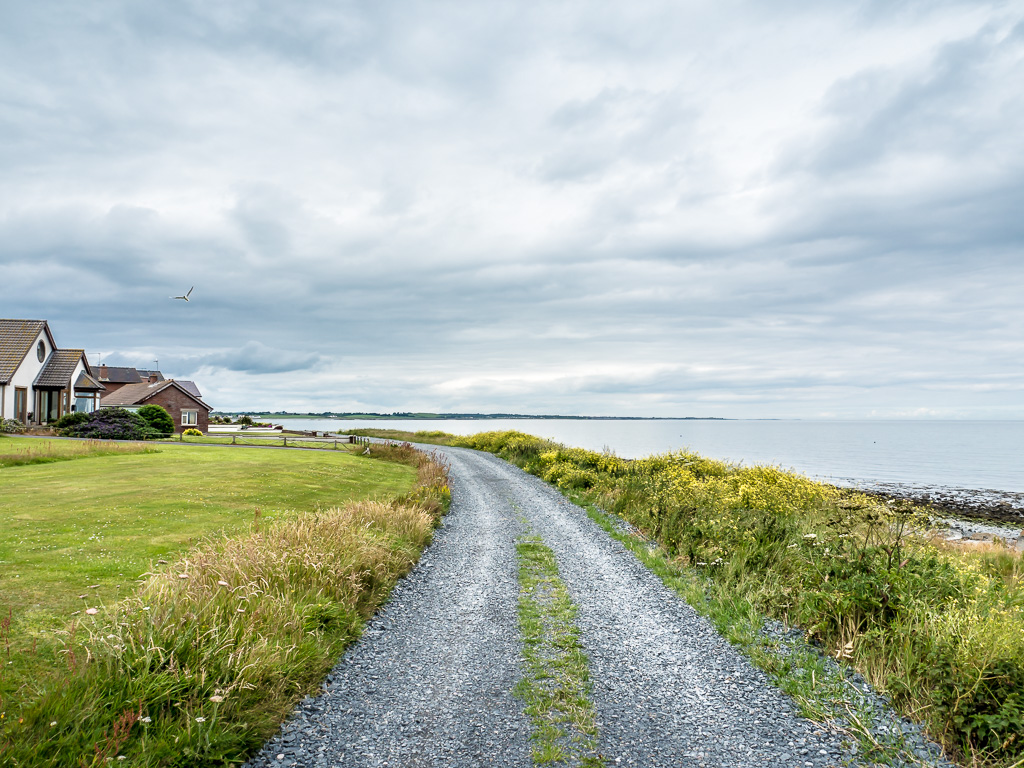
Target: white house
39, 383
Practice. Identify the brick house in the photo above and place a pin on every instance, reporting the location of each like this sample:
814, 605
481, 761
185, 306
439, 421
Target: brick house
181, 399
39, 383
113, 377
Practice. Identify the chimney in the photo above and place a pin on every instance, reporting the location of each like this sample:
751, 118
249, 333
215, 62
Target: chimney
152, 378
103, 371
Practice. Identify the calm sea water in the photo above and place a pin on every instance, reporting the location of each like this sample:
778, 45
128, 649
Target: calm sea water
957, 454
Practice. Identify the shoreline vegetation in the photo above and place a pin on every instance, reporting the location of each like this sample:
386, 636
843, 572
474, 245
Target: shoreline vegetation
935, 627
211, 646
1003, 509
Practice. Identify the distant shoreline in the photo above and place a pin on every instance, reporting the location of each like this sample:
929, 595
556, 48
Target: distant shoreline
464, 416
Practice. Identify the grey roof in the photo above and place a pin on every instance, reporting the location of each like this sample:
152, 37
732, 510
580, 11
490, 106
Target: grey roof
16, 337
87, 382
138, 394
119, 375
133, 394
190, 387
145, 374
58, 368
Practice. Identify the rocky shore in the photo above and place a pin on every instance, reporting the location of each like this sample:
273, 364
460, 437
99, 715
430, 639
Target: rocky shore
962, 513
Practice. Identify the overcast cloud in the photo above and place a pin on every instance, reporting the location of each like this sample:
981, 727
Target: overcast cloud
731, 208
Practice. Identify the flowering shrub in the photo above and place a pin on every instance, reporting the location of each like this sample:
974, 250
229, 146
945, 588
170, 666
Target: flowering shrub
113, 424
69, 420
11, 426
192, 432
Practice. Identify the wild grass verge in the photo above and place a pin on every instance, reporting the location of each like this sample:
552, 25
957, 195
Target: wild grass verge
939, 631
25, 451
429, 436
556, 687
823, 690
203, 662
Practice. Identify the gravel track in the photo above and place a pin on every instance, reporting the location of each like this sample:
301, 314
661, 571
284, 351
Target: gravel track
430, 681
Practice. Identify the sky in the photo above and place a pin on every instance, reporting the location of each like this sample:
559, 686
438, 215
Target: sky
733, 208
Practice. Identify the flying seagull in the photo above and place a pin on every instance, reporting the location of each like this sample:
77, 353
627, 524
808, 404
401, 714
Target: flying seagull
185, 297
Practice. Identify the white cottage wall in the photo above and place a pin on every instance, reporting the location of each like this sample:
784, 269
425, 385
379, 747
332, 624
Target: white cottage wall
27, 372
79, 370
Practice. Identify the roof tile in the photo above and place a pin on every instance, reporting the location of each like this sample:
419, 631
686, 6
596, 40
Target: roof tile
16, 337
137, 394
118, 374
59, 367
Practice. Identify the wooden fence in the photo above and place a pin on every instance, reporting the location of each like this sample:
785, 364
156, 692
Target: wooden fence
297, 441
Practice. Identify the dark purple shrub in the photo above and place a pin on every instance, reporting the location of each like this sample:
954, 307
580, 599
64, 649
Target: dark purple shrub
113, 424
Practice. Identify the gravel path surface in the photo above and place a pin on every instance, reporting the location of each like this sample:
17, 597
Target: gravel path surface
430, 681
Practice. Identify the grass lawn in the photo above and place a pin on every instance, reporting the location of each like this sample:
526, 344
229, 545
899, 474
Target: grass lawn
19, 451
79, 533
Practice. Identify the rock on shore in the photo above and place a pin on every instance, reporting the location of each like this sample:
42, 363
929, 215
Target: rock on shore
963, 514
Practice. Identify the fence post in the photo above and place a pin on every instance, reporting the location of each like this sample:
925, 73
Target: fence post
233, 439
285, 441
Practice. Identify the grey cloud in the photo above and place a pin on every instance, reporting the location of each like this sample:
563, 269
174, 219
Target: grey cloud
261, 214
618, 125
882, 112
440, 206
256, 358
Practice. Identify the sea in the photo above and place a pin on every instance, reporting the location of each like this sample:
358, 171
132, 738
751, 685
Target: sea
983, 456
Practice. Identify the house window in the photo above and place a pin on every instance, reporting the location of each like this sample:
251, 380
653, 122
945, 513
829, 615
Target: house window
21, 404
41, 351
189, 418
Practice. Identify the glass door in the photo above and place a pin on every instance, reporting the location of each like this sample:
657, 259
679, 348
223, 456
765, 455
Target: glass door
50, 407
21, 404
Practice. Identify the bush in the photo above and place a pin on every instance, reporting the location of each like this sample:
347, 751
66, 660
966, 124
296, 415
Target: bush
158, 418
192, 432
113, 424
11, 426
69, 420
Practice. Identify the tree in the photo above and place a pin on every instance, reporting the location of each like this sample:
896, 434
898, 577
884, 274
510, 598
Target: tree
157, 417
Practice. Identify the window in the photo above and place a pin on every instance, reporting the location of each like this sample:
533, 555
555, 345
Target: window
189, 418
21, 404
41, 351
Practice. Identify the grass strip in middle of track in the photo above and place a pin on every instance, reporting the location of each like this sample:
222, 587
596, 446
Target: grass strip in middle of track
556, 687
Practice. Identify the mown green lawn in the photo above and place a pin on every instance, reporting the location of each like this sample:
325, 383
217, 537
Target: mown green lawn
79, 533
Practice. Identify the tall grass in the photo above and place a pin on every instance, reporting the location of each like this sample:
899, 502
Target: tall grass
940, 630
45, 451
200, 666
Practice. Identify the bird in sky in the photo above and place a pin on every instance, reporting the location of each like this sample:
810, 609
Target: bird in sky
185, 297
